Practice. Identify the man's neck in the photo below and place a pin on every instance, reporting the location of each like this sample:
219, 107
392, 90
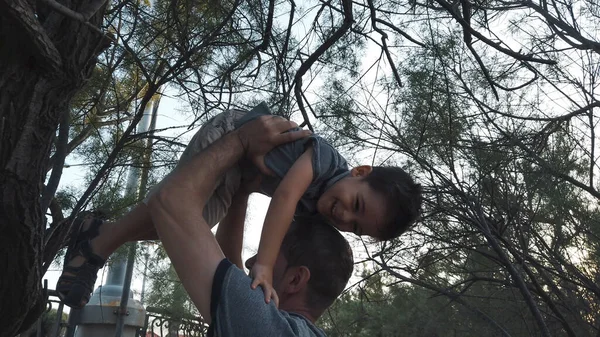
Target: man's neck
301, 310
306, 315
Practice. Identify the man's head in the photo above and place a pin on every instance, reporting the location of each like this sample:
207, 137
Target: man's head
381, 202
313, 267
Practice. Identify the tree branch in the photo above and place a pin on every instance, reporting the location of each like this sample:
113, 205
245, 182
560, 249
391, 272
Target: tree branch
348, 20
42, 47
59, 162
384, 45
77, 16
496, 45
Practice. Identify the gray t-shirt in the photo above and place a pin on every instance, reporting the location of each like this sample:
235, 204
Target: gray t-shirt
328, 165
238, 311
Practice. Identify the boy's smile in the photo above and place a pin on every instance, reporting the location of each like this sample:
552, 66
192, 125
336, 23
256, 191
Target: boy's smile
353, 206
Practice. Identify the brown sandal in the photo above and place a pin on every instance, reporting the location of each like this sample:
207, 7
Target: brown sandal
75, 290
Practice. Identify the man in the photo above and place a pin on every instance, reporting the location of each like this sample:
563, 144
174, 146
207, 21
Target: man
311, 270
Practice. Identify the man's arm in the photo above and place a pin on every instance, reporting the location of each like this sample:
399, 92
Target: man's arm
179, 223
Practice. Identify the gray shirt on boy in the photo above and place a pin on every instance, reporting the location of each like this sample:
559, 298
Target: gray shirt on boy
328, 164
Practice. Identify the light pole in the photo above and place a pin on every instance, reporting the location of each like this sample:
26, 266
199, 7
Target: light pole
112, 310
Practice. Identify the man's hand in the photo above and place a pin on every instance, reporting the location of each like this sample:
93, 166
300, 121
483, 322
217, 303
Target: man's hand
262, 275
261, 135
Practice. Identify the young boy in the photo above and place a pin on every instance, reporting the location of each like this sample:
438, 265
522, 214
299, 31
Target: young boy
306, 178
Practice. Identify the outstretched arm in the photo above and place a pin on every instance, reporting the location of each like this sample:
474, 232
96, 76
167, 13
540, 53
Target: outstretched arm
277, 222
230, 233
174, 209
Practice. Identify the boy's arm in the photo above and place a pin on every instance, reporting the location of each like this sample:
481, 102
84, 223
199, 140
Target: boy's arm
279, 218
230, 233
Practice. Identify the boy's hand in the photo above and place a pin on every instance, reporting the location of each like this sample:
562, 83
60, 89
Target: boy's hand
263, 275
261, 135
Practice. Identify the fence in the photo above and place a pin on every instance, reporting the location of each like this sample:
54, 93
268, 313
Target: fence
161, 323
158, 323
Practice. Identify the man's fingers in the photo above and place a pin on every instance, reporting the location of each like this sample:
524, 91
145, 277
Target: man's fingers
260, 136
292, 136
254, 284
281, 122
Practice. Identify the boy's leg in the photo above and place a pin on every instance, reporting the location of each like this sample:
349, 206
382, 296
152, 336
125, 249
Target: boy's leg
95, 242
137, 224
134, 226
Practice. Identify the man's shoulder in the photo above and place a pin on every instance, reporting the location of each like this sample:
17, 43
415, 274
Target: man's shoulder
239, 310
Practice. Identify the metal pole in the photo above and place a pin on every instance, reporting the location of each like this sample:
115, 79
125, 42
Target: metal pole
56, 327
133, 188
146, 256
72, 322
126, 287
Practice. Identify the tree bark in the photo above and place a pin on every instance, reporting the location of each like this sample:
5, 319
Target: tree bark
46, 57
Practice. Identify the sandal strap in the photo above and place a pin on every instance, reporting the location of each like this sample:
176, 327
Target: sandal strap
92, 231
80, 245
72, 289
77, 288
85, 249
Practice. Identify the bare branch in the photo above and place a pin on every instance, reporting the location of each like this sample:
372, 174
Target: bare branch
496, 45
59, 162
331, 40
385, 48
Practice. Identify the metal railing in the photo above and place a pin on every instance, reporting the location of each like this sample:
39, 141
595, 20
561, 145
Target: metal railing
161, 323
49, 324
158, 323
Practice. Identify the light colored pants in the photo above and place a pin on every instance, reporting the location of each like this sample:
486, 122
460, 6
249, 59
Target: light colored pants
217, 205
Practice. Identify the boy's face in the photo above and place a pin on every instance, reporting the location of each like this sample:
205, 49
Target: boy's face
352, 206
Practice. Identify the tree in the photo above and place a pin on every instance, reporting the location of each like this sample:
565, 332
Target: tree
40, 73
167, 293
48, 54
491, 104
509, 176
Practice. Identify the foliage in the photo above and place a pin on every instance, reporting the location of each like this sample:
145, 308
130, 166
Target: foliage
491, 105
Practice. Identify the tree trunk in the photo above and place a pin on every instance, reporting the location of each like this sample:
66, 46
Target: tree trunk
46, 57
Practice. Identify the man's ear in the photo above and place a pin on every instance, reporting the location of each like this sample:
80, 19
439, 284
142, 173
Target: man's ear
296, 279
361, 171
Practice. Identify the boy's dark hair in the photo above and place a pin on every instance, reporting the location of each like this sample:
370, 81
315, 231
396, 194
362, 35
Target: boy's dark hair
313, 243
403, 197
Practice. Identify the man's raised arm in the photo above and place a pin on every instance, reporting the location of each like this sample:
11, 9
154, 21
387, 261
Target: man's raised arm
175, 209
